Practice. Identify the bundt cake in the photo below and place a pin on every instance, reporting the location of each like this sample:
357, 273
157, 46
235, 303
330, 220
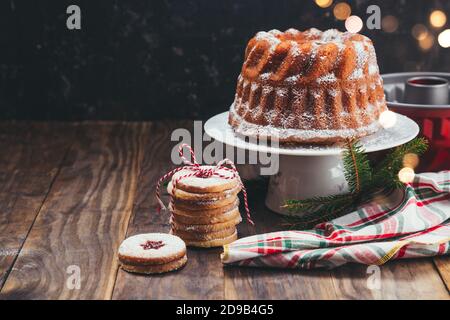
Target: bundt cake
308, 87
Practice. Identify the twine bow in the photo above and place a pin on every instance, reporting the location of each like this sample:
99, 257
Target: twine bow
196, 170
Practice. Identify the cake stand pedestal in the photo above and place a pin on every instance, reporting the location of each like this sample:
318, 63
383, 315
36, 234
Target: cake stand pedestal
309, 171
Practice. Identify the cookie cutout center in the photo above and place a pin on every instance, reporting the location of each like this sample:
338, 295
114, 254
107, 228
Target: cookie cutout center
152, 245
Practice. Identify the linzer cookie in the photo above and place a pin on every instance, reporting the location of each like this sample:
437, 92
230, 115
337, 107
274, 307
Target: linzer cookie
184, 195
152, 253
194, 210
203, 205
206, 219
212, 243
210, 227
204, 202
204, 236
223, 179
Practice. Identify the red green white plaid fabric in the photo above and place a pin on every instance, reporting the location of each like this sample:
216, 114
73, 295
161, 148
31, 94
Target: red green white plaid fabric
408, 223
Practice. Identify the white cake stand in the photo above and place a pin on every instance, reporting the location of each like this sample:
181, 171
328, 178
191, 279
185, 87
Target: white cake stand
309, 171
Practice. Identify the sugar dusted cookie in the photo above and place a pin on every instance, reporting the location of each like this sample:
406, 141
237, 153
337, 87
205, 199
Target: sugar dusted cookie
152, 253
157, 268
206, 185
211, 235
206, 196
212, 243
204, 212
206, 227
227, 216
201, 205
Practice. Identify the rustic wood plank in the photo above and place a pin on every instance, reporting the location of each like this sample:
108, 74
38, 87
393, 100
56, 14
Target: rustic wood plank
84, 217
86, 214
400, 279
30, 156
442, 264
202, 277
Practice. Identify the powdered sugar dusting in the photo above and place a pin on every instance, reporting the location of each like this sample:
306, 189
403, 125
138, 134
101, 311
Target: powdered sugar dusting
292, 31
331, 35
304, 135
295, 50
363, 48
330, 77
265, 76
361, 59
356, 74
373, 68
269, 37
292, 79
275, 32
333, 92
282, 92
361, 53
267, 89
314, 32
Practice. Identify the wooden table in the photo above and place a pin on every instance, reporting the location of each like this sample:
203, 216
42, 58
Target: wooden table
71, 192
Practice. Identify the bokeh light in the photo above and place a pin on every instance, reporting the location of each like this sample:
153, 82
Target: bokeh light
324, 3
419, 31
389, 24
342, 11
387, 119
427, 43
438, 18
353, 24
411, 160
406, 175
444, 39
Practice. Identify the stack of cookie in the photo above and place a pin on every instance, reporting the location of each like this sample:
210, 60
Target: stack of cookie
205, 211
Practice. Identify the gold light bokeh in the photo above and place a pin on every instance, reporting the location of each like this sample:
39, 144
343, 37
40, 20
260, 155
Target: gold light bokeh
354, 24
324, 3
406, 175
438, 18
387, 119
410, 160
427, 43
444, 38
419, 31
389, 24
342, 11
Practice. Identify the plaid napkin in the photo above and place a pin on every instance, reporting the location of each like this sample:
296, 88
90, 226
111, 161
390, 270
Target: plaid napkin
408, 223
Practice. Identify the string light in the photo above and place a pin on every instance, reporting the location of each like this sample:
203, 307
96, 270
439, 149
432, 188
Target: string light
419, 31
389, 24
438, 18
342, 11
444, 39
353, 24
406, 175
324, 3
387, 119
410, 160
427, 42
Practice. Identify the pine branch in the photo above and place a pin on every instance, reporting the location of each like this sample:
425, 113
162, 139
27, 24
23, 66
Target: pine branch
317, 210
364, 183
387, 170
313, 203
357, 170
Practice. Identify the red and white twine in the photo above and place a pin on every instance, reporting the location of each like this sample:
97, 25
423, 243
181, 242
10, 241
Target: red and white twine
196, 170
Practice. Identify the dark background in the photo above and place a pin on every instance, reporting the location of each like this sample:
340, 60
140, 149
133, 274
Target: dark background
145, 59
